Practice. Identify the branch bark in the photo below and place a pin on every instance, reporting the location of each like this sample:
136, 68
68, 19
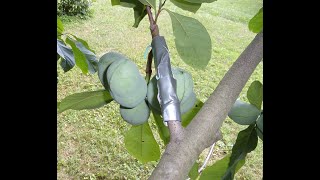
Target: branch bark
153, 26
203, 130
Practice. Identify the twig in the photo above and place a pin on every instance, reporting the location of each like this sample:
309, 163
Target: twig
153, 26
207, 159
158, 15
160, 9
163, 3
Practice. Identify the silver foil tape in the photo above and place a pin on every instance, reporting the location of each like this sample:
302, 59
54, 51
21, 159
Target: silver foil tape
168, 99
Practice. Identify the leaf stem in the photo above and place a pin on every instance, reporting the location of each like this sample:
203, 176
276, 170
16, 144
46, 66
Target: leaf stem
157, 15
160, 9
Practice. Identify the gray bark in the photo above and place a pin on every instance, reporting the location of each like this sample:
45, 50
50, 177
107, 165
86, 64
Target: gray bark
203, 131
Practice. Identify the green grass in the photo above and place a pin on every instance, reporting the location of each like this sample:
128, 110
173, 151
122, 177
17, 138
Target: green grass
91, 142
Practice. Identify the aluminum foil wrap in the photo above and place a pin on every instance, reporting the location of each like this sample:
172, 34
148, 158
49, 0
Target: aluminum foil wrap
167, 96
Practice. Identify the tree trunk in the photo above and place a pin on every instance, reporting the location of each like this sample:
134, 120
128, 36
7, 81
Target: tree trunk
203, 131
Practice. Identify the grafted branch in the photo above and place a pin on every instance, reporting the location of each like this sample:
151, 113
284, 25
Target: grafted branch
175, 127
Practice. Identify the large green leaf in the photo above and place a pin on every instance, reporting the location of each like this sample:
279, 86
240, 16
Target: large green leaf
200, 1
140, 143
125, 3
193, 173
91, 58
246, 142
84, 43
243, 113
85, 100
59, 27
66, 64
256, 23
192, 40
217, 170
254, 94
185, 5
115, 2
140, 12
162, 129
67, 59
151, 3
188, 116
139, 8
79, 57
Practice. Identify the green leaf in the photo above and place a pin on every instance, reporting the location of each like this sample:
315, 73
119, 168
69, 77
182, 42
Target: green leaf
193, 173
139, 9
140, 143
85, 100
91, 58
79, 57
217, 170
243, 113
125, 3
129, 3
67, 59
254, 94
256, 23
60, 28
84, 43
115, 2
185, 5
246, 142
66, 65
162, 129
151, 3
140, 12
188, 116
200, 1
192, 40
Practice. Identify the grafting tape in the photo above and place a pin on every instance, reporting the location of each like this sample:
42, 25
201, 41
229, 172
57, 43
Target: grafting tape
169, 102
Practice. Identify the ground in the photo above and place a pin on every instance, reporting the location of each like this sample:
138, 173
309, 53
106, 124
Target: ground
91, 142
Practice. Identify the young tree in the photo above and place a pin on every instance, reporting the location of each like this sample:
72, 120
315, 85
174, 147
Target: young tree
186, 126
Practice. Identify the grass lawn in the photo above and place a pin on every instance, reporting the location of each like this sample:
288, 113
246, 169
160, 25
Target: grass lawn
91, 142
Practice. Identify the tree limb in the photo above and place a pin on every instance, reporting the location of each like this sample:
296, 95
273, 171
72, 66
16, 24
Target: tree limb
203, 130
153, 26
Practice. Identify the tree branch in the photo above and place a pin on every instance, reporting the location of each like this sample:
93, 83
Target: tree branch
202, 132
153, 26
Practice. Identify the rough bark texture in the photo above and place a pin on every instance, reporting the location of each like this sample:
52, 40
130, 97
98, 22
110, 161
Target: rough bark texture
203, 131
